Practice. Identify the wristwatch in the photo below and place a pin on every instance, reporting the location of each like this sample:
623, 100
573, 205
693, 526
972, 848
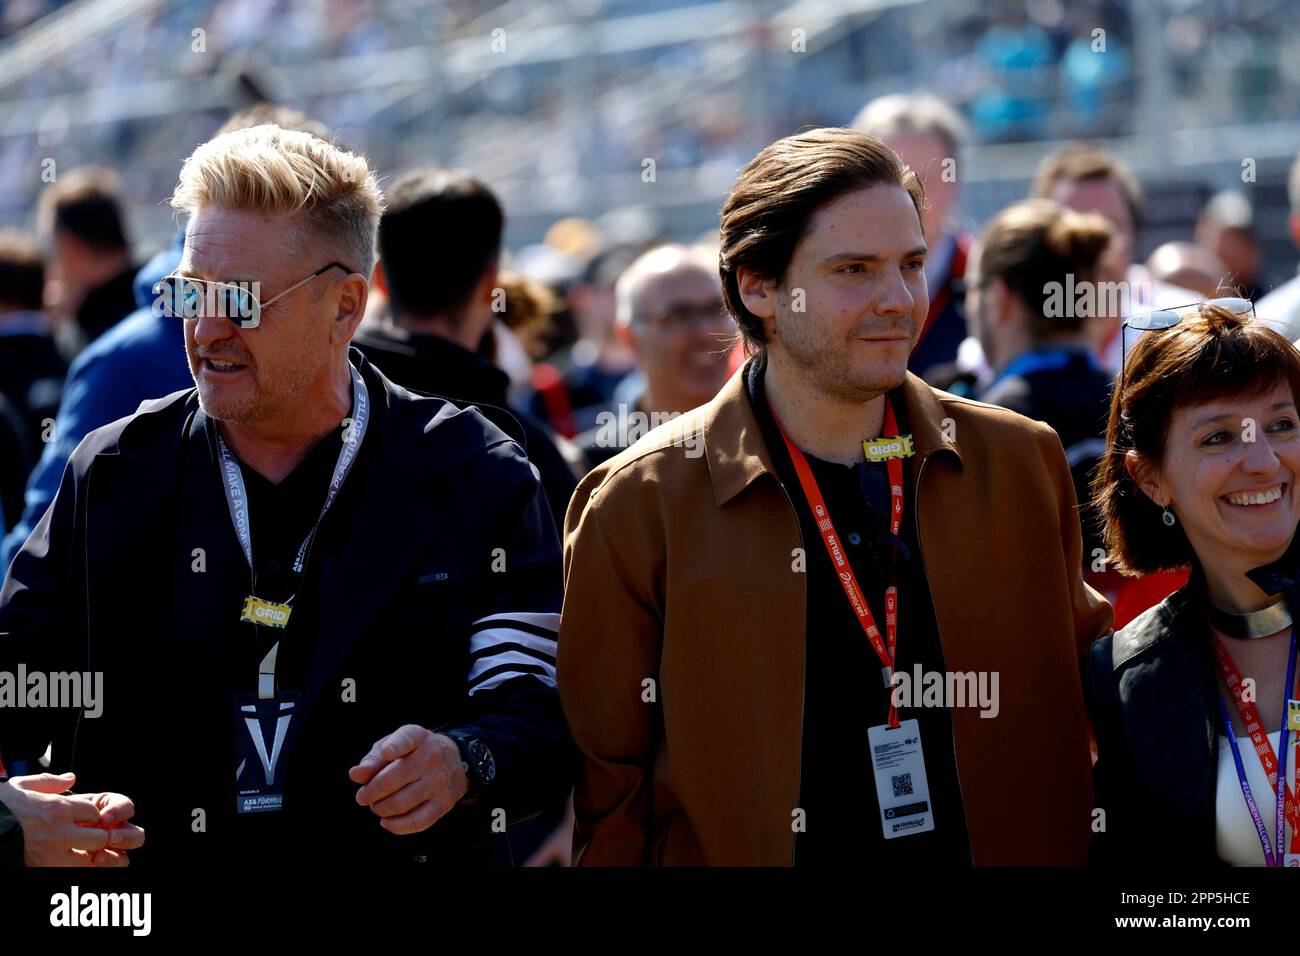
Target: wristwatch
480, 765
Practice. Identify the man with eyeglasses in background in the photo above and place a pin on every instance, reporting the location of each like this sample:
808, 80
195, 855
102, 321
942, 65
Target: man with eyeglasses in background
669, 310
320, 608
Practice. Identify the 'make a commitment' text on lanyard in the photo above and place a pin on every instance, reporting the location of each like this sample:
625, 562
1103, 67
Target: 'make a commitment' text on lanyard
232, 481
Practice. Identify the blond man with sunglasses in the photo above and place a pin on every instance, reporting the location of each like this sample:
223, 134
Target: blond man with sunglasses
322, 608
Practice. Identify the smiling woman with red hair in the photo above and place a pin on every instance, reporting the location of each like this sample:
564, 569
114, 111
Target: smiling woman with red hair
1190, 698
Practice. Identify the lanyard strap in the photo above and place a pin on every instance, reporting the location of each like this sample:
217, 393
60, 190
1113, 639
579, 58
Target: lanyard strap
237, 501
1044, 360
849, 581
237, 496
1287, 806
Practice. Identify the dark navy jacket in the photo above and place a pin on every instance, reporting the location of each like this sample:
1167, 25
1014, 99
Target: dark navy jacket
439, 589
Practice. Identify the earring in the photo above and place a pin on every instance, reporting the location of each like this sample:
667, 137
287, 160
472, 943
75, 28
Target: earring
1168, 518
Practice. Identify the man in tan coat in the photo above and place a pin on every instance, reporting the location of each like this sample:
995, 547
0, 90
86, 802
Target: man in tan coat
834, 615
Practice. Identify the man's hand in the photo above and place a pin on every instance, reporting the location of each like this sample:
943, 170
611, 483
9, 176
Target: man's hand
66, 829
410, 778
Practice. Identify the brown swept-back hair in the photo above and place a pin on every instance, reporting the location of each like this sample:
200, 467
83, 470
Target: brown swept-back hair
1037, 242
777, 194
1211, 355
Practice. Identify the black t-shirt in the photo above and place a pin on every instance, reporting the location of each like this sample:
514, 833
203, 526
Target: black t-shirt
228, 651
845, 692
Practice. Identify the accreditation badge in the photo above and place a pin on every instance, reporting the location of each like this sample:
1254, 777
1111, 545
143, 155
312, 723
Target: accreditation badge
1293, 715
883, 449
265, 731
266, 613
901, 788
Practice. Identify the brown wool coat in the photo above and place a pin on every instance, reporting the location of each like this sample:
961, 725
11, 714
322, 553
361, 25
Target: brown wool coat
678, 570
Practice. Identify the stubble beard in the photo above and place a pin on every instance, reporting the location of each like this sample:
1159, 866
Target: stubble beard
260, 405
826, 365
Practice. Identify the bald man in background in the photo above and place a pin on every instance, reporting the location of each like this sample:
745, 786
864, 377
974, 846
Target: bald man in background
669, 311
1191, 266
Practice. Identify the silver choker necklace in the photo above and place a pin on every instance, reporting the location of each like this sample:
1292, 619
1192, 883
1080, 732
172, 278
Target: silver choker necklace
1261, 623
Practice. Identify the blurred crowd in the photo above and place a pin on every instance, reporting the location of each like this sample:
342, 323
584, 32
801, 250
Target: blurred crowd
590, 339
397, 80
584, 337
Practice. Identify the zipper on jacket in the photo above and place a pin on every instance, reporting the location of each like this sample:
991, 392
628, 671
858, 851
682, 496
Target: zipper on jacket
803, 686
916, 505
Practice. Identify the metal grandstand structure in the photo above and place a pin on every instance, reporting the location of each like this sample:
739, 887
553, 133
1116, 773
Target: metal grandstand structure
553, 114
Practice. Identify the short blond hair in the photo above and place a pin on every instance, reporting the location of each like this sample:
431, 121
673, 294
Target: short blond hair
331, 192
915, 113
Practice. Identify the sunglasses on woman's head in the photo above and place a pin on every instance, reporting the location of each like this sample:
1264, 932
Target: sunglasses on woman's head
1162, 319
185, 297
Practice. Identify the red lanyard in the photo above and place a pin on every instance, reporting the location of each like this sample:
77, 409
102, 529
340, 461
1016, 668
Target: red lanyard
1259, 738
847, 578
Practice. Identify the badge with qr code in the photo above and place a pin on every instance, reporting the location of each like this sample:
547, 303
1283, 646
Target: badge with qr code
901, 788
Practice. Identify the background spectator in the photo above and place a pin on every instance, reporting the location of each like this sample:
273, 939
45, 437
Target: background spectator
89, 267
669, 311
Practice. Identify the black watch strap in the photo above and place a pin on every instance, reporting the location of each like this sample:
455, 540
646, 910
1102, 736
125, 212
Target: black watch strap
480, 766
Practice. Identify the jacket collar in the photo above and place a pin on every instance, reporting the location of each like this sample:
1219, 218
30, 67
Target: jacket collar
1180, 615
1282, 574
445, 367
737, 454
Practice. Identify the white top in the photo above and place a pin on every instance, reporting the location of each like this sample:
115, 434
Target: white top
1280, 309
1236, 838
1145, 295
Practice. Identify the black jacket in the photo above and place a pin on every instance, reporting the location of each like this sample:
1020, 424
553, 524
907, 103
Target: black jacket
1153, 698
437, 366
1075, 401
108, 304
404, 576
945, 326
16, 459
31, 377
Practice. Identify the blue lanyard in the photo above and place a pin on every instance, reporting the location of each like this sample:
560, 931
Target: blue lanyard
1283, 748
24, 323
1043, 360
